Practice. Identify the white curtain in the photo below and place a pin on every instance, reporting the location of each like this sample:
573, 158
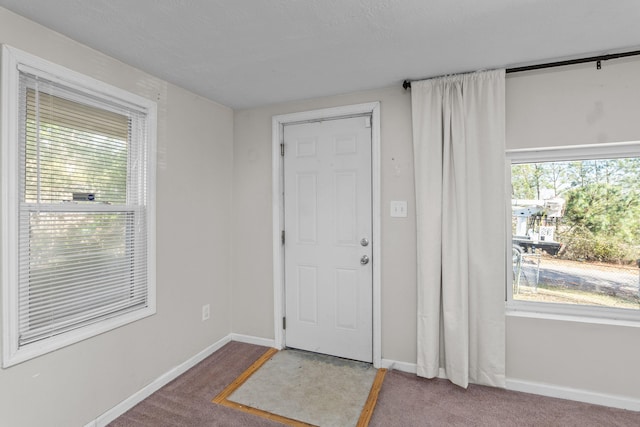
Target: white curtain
459, 143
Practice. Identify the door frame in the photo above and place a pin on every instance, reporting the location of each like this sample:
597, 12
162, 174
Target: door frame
278, 123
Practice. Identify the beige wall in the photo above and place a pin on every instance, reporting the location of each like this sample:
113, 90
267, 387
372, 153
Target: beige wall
577, 105
574, 105
76, 384
599, 358
252, 250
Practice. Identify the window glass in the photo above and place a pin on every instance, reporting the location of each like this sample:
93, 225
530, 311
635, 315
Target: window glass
576, 232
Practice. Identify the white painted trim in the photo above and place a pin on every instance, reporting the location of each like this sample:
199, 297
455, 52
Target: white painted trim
410, 368
376, 210
277, 198
9, 194
610, 150
265, 342
579, 395
394, 365
157, 384
569, 313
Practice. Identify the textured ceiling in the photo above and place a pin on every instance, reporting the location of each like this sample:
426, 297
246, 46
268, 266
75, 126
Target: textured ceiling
246, 53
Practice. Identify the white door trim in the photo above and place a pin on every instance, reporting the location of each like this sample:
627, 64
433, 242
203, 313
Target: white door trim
278, 123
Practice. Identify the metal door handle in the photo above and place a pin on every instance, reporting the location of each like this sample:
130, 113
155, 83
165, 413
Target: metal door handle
364, 241
364, 260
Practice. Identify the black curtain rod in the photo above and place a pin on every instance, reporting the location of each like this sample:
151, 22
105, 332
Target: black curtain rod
407, 83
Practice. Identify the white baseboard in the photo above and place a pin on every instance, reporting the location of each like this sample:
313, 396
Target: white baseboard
265, 342
411, 368
549, 390
579, 395
158, 383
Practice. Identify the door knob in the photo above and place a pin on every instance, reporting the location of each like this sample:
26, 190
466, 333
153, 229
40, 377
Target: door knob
364, 260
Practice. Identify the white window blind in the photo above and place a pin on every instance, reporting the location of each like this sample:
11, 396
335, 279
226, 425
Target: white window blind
78, 228
82, 255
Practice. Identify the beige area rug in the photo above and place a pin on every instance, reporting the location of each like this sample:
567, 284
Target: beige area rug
299, 388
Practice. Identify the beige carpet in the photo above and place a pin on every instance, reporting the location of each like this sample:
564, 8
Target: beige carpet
305, 388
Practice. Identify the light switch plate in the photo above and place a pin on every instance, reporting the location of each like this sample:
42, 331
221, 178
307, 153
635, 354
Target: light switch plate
399, 208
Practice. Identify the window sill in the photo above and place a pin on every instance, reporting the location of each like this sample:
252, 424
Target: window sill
14, 357
571, 313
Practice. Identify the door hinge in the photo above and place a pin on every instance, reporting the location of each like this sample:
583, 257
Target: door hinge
284, 323
282, 237
282, 150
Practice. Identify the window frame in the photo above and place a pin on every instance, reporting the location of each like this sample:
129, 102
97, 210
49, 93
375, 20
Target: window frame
559, 310
12, 59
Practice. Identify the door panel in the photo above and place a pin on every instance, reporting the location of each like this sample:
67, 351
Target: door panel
327, 185
306, 208
307, 294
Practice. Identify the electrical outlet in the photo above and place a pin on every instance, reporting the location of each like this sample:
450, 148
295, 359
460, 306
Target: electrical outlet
206, 312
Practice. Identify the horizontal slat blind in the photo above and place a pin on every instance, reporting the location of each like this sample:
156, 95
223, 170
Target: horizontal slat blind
83, 264
73, 148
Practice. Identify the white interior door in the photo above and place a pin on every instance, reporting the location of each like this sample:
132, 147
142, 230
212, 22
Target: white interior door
328, 247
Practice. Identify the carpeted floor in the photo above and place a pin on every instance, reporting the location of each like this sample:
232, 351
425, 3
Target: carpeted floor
186, 401
405, 400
